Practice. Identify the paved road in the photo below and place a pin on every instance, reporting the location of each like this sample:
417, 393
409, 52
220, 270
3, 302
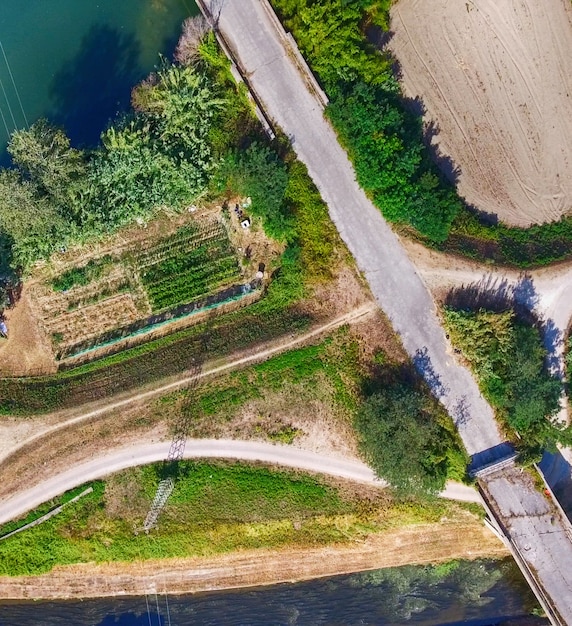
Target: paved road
142, 454
272, 74
260, 48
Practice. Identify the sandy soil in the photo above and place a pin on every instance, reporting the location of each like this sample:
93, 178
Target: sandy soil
27, 350
496, 78
427, 543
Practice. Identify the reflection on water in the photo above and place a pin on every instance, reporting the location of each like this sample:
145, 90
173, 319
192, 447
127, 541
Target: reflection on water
477, 593
75, 61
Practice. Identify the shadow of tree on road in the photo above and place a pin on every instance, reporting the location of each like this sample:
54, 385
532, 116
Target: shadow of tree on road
422, 363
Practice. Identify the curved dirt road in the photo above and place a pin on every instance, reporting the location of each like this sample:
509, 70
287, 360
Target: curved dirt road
73, 417
142, 454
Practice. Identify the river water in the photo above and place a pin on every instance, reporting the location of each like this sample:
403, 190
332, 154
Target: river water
478, 593
75, 61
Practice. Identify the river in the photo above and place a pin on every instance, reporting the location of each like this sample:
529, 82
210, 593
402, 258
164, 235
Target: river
75, 61
479, 593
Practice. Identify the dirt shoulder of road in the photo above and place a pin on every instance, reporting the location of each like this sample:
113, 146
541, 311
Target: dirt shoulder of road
422, 544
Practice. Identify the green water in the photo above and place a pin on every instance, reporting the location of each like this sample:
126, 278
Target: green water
75, 61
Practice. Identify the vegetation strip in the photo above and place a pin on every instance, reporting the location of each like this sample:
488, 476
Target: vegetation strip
48, 515
215, 508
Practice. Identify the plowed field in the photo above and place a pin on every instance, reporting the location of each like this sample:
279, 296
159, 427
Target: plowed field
496, 78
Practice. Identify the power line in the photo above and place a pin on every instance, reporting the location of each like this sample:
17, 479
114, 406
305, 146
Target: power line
158, 611
8, 103
167, 605
148, 611
5, 125
14, 83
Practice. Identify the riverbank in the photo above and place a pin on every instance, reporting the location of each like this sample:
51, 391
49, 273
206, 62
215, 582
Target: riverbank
416, 545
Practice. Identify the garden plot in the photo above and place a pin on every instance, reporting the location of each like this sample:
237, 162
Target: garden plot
193, 263
114, 295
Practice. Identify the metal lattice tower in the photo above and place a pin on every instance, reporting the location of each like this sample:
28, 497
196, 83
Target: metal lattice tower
177, 448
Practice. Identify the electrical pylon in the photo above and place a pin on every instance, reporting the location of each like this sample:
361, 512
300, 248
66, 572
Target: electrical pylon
177, 448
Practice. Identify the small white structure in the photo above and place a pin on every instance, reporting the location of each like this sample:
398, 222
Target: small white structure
245, 223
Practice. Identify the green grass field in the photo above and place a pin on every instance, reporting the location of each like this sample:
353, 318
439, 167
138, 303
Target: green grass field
215, 508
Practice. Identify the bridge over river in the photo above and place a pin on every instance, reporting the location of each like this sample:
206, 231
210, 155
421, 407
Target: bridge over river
285, 90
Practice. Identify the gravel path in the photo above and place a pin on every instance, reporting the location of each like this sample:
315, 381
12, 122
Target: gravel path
254, 451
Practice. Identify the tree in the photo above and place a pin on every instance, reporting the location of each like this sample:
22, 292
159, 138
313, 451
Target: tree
258, 172
403, 441
44, 156
30, 221
508, 359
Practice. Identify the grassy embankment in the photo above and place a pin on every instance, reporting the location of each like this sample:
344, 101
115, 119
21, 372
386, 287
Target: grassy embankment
384, 139
215, 508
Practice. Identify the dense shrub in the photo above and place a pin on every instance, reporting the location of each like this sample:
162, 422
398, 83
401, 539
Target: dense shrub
408, 440
386, 147
508, 359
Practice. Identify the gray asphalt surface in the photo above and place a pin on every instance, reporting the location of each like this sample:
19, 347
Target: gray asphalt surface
142, 454
272, 74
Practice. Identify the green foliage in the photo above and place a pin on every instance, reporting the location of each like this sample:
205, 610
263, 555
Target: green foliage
236, 120
84, 275
44, 156
405, 443
187, 273
536, 245
315, 233
160, 157
214, 509
257, 172
28, 221
508, 359
331, 365
330, 34
384, 139
386, 147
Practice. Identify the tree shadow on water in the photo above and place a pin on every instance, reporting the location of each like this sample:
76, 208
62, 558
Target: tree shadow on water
132, 619
90, 89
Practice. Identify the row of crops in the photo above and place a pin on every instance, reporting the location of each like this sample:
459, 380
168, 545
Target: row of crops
187, 266
190, 275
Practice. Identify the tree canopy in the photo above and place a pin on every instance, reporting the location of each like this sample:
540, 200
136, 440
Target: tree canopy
406, 442
158, 156
509, 361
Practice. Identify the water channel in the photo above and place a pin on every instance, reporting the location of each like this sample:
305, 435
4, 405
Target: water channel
479, 593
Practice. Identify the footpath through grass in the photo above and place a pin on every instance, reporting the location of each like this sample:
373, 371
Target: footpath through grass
215, 508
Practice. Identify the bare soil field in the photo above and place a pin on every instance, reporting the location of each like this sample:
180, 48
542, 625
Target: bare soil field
27, 351
496, 79
462, 538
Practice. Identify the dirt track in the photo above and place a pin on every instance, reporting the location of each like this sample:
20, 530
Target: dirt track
496, 77
15, 434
